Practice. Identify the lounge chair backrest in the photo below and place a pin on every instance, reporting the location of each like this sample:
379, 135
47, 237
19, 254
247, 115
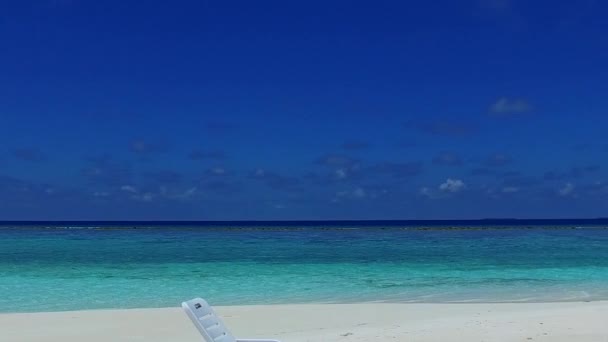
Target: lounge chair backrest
206, 321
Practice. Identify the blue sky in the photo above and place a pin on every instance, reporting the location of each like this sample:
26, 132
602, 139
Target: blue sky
303, 110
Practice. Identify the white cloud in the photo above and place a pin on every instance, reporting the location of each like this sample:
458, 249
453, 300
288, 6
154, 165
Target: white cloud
506, 106
190, 192
179, 195
566, 190
359, 193
342, 193
424, 191
163, 192
135, 194
600, 186
147, 197
340, 174
452, 185
218, 171
128, 188
378, 193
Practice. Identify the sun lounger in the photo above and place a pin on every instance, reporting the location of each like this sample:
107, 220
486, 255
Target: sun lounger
209, 324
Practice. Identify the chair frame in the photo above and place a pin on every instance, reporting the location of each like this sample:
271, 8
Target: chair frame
209, 324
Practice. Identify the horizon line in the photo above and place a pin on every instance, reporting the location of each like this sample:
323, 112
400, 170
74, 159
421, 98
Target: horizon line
308, 220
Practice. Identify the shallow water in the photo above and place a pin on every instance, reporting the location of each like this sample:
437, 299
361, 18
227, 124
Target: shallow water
63, 268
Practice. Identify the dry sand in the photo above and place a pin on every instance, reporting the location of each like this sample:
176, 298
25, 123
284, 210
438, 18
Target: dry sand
573, 322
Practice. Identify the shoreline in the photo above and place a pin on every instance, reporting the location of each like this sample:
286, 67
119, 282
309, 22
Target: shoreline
305, 304
555, 321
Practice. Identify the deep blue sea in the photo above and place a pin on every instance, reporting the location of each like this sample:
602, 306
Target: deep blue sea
54, 266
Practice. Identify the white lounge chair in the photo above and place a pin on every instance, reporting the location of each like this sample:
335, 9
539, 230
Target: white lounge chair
209, 324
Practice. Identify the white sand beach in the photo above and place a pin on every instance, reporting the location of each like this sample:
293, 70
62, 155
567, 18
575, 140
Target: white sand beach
580, 321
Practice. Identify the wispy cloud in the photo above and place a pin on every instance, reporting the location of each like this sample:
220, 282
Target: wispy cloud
510, 189
342, 169
217, 171
177, 194
16, 186
426, 192
452, 185
596, 188
154, 194
339, 168
356, 193
360, 193
341, 173
275, 180
566, 190
106, 171
101, 194
506, 107
449, 187
129, 188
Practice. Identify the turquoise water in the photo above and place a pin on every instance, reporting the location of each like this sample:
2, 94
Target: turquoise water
56, 269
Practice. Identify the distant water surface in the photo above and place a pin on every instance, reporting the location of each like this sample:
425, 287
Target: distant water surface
69, 266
